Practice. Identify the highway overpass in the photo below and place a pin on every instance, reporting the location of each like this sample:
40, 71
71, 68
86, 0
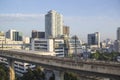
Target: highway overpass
89, 67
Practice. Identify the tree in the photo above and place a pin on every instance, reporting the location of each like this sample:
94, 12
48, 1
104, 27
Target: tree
4, 72
95, 55
105, 56
70, 76
36, 74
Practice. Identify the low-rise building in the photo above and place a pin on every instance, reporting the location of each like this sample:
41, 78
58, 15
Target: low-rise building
50, 45
75, 45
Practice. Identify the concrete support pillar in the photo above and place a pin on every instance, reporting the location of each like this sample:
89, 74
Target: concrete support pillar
82, 78
48, 74
59, 75
115, 78
11, 69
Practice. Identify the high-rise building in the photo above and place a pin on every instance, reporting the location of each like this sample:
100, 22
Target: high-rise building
37, 34
118, 33
66, 30
14, 35
53, 24
17, 36
94, 39
117, 42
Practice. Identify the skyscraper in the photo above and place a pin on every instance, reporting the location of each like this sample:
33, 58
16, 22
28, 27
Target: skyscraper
94, 39
117, 42
17, 36
118, 33
53, 24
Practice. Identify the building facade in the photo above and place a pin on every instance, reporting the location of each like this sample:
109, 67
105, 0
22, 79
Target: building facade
94, 39
6, 43
117, 42
14, 35
37, 34
75, 46
53, 24
17, 36
117, 46
9, 34
118, 33
66, 30
50, 45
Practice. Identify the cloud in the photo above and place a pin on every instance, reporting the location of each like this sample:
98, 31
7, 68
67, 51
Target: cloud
22, 22
18, 18
21, 15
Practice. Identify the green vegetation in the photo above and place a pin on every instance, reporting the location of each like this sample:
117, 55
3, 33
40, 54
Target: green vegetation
70, 76
36, 74
4, 72
105, 56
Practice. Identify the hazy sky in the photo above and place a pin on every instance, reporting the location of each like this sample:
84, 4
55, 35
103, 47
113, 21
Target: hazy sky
83, 16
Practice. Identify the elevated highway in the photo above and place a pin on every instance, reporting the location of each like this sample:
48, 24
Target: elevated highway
62, 64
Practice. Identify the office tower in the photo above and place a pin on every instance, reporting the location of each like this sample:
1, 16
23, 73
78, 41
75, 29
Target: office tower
17, 36
53, 24
66, 30
14, 35
94, 39
118, 33
37, 34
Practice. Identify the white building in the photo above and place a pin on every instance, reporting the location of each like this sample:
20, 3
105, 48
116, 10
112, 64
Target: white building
50, 45
26, 40
6, 43
53, 24
22, 67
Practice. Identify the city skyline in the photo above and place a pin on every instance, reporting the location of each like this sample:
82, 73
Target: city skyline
83, 17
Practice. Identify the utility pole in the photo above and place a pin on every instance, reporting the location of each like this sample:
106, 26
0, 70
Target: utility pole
54, 44
2, 45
